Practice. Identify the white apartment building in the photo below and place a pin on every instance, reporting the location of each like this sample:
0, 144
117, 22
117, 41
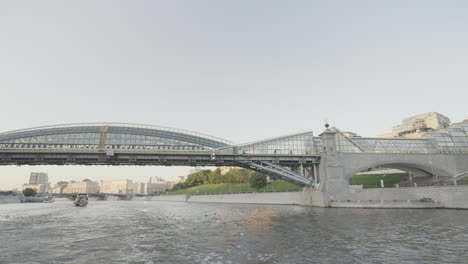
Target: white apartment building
117, 187
85, 186
152, 188
58, 187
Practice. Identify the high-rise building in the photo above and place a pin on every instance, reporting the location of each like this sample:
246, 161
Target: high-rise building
39, 178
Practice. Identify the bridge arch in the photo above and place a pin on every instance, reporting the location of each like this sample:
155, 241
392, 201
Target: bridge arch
116, 136
429, 164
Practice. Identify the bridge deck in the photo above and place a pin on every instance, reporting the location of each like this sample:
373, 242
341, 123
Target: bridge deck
12, 157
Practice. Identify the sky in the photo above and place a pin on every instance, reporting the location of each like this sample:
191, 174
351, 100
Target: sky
239, 70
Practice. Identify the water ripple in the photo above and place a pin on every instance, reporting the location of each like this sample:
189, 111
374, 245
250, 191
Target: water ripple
160, 232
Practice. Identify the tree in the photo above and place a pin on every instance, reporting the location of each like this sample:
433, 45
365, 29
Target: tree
257, 180
29, 192
215, 176
197, 178
179, 186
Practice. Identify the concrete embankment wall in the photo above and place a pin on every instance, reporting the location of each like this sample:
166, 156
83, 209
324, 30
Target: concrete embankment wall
436, 197
311, 197
254, 198
442, 197
9, 199
168, 198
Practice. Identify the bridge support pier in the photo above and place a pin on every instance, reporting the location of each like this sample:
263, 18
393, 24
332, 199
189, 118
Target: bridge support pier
333, 182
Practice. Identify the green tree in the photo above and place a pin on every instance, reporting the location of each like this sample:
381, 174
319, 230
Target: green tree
257, 180
198, 178
215, 176
29, 192
179, 186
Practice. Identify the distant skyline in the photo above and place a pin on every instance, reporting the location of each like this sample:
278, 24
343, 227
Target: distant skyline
239, 70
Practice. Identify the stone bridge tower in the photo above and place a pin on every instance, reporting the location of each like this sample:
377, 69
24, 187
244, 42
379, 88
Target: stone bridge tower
331, 169
341, 157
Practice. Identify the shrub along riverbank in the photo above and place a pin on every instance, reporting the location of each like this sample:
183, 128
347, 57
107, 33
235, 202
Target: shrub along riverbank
277, 186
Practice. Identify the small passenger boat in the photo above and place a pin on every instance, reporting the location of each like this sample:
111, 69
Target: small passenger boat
81, 200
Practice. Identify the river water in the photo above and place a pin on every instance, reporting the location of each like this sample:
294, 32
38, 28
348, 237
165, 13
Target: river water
177, 232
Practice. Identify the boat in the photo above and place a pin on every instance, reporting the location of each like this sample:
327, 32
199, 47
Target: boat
48, 199
81, 200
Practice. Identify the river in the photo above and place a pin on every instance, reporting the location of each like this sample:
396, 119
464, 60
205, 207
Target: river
177, 232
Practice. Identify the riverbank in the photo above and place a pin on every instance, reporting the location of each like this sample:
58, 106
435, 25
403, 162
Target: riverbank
9, 199
453, 197
224, 188
309, 197
422, 197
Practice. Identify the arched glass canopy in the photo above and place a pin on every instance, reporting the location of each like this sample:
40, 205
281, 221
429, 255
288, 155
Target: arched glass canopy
115, 136
453, 139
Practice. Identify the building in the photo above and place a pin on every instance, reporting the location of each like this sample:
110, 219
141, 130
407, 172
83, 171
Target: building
350, 134
139, 188
40, 188
225, 169
179, 179
418, 125
59, 187
153, 188
150, 188
155, 179
84, 186
117, 187
194, 170
38, 178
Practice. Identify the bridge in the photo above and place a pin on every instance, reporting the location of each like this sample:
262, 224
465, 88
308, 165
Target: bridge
292, 158
97, 196
324, 162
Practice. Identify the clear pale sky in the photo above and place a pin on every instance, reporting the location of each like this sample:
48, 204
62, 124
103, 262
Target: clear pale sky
239, 70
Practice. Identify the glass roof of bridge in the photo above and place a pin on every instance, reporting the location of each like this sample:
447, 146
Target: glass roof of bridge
295, 144
109, 135
453, 139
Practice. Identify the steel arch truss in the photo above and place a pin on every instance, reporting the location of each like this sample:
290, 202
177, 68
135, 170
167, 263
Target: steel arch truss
454, 178
283, 173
